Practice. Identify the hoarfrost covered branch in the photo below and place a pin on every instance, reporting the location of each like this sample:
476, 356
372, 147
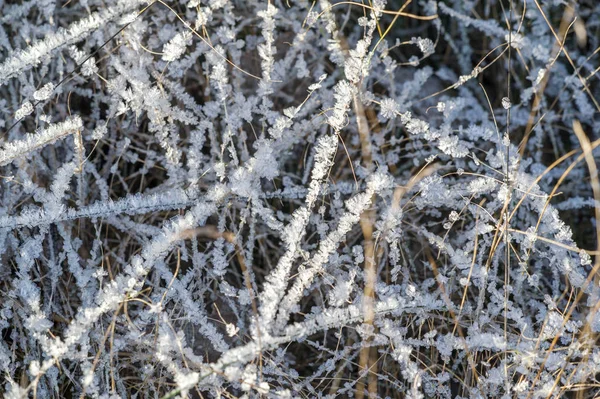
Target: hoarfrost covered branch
299, 199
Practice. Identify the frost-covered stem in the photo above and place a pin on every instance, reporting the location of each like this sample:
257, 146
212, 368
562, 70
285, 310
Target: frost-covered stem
25, 59
275, 283
356, 206
35, 141
332, 318
129, 283
130, 205
267, 50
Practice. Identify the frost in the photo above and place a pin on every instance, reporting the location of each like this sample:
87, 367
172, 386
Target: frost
540, 76
413, 125
389, 108
44, 93
425, 45
465, 78
343, 96
453, 147
232, 330
14, 149
516, 40
287, 199
25, 110
506, 139
176, 47
453, 216
25, 59
99, 132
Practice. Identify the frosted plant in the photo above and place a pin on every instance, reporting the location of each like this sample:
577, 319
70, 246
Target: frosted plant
280, 199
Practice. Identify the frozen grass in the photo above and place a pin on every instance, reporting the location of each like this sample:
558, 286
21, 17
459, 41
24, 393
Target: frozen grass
299, 199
